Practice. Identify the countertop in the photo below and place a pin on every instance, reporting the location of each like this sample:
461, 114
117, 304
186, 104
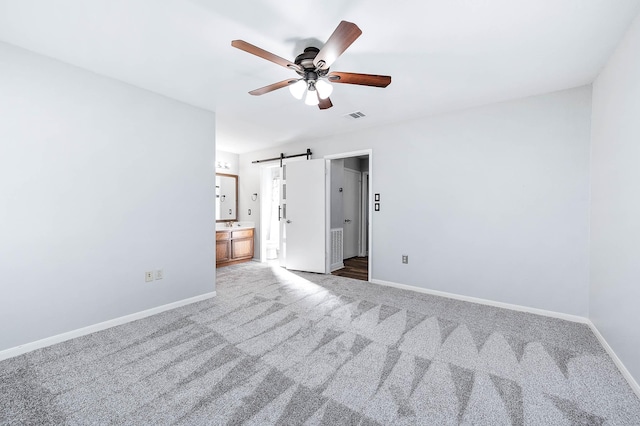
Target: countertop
237, 226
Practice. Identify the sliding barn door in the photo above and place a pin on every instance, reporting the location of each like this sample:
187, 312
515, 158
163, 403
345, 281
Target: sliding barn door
304, 215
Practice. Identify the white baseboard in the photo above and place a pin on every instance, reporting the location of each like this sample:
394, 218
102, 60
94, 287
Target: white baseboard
574, 318
48, 341
513, 307
623, 370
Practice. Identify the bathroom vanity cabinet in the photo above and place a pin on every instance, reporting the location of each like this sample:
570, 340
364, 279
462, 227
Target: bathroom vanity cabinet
234, 246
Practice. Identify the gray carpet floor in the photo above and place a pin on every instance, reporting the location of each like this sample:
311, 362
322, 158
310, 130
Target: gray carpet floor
276, 347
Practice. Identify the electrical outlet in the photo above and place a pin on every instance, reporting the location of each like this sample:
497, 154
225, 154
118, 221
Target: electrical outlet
159, 274
405, 258
148, 276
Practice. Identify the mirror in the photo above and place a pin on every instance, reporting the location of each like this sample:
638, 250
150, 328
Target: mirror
226, 197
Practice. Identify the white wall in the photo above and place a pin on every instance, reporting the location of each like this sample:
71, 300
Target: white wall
99, 182
229, 159
490, 202
352, 163
615, 201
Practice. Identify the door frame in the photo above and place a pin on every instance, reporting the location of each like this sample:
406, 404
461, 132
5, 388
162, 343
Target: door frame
263, 220
328, 158
364, 215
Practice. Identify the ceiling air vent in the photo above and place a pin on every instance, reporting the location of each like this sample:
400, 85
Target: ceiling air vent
355, 115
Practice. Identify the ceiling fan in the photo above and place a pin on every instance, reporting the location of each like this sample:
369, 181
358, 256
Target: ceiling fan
312, 66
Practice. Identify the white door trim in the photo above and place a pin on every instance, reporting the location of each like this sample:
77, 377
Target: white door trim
263, 220
327, 215
364, 193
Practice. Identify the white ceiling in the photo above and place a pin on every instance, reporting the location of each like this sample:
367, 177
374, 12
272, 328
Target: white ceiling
443, 55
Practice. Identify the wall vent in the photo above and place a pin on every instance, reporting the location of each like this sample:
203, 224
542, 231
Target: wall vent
355, 115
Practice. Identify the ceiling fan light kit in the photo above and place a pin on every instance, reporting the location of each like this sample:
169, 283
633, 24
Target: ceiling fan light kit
312, 66
298, 88
324, 89
312, 96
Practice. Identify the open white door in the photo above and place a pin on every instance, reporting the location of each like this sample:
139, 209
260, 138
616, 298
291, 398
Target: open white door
304, 215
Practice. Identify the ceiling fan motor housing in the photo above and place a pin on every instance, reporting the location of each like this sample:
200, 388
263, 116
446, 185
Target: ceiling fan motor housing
309, 70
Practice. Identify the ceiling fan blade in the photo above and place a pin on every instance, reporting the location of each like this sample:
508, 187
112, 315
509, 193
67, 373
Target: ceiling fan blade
325, 104
272, 87
345, 34
255, 50
361, 79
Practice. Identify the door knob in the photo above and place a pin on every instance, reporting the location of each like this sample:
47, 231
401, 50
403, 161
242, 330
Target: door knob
288, 221
347, 221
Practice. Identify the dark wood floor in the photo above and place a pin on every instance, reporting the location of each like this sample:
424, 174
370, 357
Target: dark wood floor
355, 267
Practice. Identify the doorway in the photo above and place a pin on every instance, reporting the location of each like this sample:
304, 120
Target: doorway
349, 201
301, 200
270, 186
